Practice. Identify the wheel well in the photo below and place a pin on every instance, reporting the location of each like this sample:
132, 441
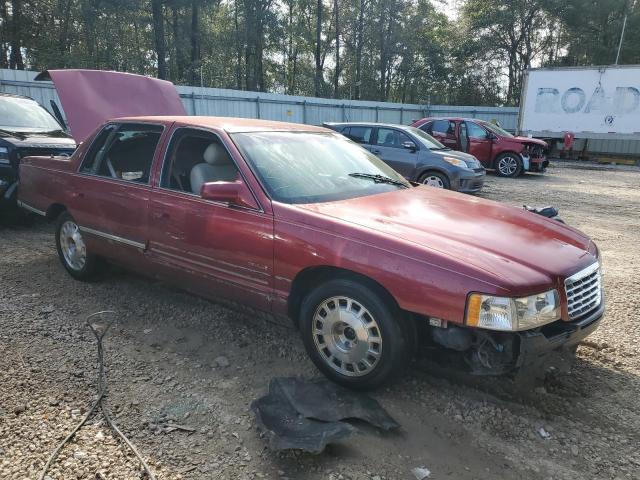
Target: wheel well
54, 211
310, 277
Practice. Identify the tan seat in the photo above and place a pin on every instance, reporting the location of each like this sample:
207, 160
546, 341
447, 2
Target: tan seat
218, 167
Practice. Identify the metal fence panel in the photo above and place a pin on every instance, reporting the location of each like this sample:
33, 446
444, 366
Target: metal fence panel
310, 110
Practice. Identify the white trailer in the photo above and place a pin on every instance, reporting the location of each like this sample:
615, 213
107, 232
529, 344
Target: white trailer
591, 102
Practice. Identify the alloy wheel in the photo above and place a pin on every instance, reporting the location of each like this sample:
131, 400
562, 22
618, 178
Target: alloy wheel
72, 246
508, 165
347, 336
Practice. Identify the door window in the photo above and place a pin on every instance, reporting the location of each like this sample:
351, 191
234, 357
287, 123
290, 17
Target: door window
196, 157
427, 127
123, 152
475, 130
358, 134
444, 127
388, 137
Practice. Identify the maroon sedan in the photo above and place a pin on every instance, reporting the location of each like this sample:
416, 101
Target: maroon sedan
496, 148
301, 222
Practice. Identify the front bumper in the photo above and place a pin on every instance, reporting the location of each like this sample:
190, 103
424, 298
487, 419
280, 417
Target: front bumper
535, 344
536, 164
8, 189
472, 181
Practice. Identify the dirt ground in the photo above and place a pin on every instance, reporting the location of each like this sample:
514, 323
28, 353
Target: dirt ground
164, 366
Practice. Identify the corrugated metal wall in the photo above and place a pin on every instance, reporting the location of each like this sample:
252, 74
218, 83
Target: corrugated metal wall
310, 110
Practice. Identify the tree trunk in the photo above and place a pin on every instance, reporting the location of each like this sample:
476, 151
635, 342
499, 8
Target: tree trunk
178, 58
195, 70
158, 37
359, 39
4, 35
250, 53
15, 60
336, 73
318, 75
238, 46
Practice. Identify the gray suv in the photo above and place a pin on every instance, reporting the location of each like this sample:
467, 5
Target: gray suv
416, 155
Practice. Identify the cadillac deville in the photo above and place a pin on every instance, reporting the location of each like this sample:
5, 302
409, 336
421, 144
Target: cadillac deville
301, 222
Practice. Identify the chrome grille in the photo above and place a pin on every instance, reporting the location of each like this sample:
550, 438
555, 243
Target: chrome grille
584, 291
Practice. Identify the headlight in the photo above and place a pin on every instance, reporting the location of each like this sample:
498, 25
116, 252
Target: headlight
456, 161
512, 314
4, 155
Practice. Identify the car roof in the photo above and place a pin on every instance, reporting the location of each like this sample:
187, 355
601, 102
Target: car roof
466, 119
231, 124
369, 124
15, 95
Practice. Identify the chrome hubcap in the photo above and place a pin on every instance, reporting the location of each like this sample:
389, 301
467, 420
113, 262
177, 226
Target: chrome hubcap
72, 246
433, 181
508, 165
347, 336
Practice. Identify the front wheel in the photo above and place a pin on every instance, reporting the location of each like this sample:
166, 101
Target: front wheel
435, 179
354, 335
73, 253
509, 165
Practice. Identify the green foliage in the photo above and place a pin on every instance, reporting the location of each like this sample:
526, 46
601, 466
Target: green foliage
395, 50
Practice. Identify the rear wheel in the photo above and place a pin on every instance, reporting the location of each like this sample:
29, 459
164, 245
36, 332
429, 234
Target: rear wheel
72, 250
354, 335
435, 179
509, 165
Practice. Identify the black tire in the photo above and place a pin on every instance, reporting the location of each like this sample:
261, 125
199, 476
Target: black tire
509, 164
424, 178
395, 349
89, 268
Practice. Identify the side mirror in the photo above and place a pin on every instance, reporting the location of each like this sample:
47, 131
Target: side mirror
492, 136
232, 193
409, 146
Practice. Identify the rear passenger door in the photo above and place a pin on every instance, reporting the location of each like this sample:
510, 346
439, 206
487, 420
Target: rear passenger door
390, 147
111, 195
445, 132
359, 134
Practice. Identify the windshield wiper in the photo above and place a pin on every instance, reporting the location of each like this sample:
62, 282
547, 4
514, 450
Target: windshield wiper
18, 135
52, 132
379, 178
439, 148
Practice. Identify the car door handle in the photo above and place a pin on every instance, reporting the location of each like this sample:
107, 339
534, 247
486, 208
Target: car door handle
375, 150
77, 195
160, 216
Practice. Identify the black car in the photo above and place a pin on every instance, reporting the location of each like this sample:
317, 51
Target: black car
416, 155
26, 129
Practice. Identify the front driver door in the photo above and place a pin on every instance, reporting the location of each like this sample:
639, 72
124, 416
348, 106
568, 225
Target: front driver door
213, 248
389, 146
479, 143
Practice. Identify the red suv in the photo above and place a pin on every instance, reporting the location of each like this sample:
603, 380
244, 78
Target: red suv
496, 148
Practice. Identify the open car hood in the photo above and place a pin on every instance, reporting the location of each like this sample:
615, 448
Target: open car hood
91, 97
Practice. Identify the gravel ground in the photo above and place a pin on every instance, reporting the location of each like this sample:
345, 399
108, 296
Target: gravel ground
176, 359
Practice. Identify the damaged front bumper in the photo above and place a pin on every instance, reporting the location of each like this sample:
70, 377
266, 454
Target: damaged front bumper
556, 336
488, 352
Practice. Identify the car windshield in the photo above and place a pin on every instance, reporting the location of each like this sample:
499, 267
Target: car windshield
313, 167
25, 115
426, 139
496, 129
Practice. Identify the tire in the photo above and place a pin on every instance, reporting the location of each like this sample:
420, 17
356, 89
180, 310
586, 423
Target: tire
509, 164
354, 349
72, 251
435, 179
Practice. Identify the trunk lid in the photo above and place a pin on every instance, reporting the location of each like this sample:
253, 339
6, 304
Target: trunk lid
91, 97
